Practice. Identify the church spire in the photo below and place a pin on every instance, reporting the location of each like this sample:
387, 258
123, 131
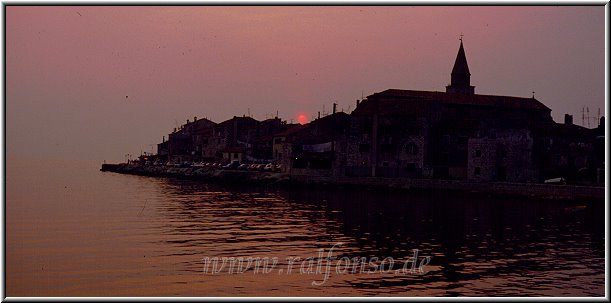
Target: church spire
461, 77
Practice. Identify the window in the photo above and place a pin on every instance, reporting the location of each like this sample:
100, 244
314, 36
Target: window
411, 148
410, 167
387, 148
478, 153
385, 163
300, 163
502, 152
477, 171
235, 155
205, 141
364, 148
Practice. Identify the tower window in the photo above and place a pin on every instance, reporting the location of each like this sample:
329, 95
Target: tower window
411, 148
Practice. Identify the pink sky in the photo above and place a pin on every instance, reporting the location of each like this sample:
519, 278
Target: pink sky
100, 82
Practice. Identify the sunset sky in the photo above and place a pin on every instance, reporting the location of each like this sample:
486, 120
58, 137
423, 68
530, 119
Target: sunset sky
100, 82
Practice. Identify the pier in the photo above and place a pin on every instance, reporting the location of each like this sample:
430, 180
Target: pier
532, 190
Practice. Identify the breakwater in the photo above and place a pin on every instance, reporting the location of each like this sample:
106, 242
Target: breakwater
238, 177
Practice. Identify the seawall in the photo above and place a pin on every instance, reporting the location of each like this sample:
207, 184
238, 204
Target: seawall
533, 190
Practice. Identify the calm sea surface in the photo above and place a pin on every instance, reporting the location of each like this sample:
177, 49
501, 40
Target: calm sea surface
74, 231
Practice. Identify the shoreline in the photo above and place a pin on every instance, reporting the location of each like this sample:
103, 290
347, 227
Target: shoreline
238, 177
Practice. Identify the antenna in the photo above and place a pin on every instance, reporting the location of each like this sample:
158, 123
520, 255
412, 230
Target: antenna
588, 116
598, 116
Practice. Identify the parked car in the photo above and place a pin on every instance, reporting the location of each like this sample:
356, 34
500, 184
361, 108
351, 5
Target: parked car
184, 164
555, 181
232, 165
278, 168
243, 166
268, 167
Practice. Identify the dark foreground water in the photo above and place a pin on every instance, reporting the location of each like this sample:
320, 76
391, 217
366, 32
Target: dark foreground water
74, 231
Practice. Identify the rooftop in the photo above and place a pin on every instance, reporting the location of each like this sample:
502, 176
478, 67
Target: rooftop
395, 100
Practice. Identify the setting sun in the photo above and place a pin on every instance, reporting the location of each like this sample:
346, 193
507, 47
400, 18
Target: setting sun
302, 119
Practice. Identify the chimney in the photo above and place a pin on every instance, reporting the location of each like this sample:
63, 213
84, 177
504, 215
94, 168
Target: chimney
194, 118
334, 107
358, 102
163, 140
568, 119
601, 122
187, 121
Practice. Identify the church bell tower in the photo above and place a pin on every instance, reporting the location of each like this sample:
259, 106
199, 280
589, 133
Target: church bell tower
461, 77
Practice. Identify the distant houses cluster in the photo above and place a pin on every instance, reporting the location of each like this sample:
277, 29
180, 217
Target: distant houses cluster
455, 134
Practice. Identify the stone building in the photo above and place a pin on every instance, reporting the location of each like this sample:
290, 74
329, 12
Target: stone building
423, 134
280, 138
184, 144
262, 146
573, 152
162, 150
507, 156
316, 148
235, 132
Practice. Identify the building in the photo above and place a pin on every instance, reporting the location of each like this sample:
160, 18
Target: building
235, 132
262, 145
316, 148
285, 136
429, 134
185, 143
574, 152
